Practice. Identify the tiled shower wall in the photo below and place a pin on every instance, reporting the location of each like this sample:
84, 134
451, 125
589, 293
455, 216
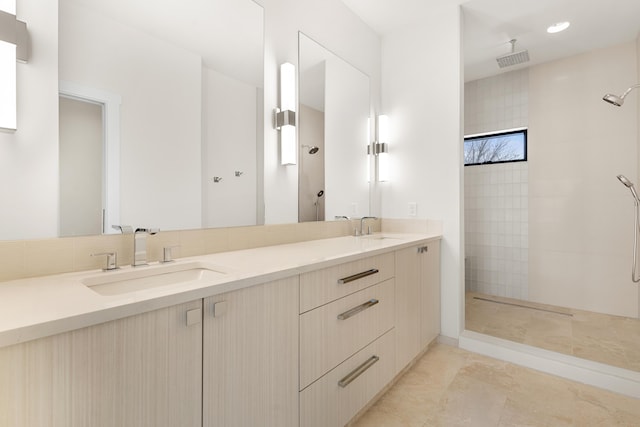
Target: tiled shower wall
497, 196
496, 229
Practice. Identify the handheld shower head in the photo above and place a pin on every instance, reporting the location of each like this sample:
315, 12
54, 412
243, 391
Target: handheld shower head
623, 179
616, 100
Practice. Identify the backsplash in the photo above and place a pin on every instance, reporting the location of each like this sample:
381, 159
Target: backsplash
32, 258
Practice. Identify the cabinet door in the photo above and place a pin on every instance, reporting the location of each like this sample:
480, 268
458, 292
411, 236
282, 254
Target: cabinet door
251, 356
143, 370
408, 305
430, 288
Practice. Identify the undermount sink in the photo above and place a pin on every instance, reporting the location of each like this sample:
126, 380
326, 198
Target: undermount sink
141, 278
379, 237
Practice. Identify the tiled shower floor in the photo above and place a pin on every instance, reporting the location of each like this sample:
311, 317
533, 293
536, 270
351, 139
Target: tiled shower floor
602, 338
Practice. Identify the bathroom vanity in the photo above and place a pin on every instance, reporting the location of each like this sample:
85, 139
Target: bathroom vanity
300, 334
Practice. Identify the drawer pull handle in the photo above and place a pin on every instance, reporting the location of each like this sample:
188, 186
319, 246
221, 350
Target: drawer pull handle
358, 309
423, 249
357, 276
351, 376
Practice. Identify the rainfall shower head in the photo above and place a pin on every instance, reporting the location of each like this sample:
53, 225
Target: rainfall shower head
312, 149
513, 58
623, 179
616, 100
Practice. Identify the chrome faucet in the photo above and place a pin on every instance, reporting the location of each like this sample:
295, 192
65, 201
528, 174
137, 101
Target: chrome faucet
139, 242
362, 220
140, 245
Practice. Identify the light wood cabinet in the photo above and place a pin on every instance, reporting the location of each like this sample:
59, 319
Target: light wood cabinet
306, 350
336, 397
143, 370
250, 368
332, 333
430, 292
417, 300
329, 284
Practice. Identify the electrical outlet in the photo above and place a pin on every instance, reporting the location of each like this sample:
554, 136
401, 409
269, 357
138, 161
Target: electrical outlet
354, 209
413, 209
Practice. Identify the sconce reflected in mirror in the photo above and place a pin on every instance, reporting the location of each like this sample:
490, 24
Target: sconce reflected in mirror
286, 114
13, 46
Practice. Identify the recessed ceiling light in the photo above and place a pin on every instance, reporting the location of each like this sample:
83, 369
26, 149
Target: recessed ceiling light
560, 26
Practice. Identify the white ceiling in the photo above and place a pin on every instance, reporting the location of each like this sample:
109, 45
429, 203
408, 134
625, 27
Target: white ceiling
490, 24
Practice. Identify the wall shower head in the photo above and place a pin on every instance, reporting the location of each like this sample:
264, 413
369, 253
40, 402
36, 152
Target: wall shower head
623, 179
616, 100
312, 149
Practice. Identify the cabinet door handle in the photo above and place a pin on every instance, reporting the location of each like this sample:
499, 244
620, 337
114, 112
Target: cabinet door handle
423, 249
357, 276
358, 309
194, 317
351, 376
219, 309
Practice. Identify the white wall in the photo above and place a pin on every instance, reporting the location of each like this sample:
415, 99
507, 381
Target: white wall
29, 156
229, 145
160, 88
580, 216
421, 86
337, 28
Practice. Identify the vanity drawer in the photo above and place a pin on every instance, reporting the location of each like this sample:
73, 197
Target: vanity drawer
326, 285
327, 403
334, 332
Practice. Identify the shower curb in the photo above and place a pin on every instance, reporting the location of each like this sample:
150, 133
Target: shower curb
619, 380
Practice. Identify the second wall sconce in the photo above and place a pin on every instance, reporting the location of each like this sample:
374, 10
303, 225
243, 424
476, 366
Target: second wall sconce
285, 120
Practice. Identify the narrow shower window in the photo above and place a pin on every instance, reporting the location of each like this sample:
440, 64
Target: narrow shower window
499, 147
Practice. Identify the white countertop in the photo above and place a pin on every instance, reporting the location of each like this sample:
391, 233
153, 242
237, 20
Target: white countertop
43, 306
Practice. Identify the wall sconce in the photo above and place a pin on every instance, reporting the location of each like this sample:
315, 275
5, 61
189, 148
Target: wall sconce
286, 115
14, 45
381, 148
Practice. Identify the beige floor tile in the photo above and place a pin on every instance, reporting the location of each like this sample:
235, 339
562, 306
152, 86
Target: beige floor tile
474, 390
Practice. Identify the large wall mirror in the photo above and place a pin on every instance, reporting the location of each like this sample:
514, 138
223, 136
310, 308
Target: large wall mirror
333, 131
549, 241
161, 114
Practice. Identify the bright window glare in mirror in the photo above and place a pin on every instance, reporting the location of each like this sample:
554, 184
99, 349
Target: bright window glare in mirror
8, 85
8, 6
556, 28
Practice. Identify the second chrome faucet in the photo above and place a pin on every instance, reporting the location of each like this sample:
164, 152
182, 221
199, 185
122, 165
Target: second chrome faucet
139, 242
